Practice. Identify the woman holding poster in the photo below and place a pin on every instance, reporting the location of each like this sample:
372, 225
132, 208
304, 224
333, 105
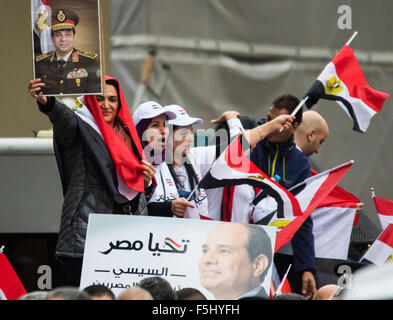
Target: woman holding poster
101, 165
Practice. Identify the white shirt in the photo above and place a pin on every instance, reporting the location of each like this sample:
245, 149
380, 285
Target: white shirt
243, 194
182, 175
65, 58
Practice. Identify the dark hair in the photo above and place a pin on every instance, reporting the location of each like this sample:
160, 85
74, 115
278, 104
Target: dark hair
190, 294
141, 128
191, 174
259, 243
114, 83
98, 290
222, 142
159, 288
289, 296
289, 102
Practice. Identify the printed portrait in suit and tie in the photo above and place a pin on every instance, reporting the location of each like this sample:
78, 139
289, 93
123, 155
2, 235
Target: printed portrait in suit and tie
235, 261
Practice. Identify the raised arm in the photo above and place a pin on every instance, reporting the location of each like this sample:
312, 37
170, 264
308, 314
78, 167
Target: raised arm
62, 117
255, 135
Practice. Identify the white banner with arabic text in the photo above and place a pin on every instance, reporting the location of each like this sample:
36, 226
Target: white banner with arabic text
210, 256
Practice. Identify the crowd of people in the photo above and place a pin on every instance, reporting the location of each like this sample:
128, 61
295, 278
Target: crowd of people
114, 162
147, 163
157, 288
152, 288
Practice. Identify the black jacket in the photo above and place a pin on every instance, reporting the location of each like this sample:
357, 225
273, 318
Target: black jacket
293, 167
81, 73
88, 178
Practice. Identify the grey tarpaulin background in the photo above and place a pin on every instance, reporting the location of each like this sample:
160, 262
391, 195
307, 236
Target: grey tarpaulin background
240, 54
223, 54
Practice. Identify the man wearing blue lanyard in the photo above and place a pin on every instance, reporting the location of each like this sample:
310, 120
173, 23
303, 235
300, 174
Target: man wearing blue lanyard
277, 155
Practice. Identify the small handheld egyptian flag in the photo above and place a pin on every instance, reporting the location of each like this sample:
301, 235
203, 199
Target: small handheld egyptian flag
343, 81
384, 209
381, 250
11, 288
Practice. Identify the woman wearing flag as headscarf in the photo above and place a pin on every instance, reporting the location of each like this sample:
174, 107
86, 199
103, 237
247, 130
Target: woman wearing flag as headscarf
101, 165
151, 119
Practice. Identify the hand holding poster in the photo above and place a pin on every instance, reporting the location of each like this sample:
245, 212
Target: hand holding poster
70, 29
223, 260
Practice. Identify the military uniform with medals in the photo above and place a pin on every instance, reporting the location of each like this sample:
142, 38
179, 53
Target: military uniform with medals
79, 74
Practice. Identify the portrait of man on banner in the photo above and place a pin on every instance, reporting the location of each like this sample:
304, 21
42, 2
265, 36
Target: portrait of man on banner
67, 46
223, 260
235, 261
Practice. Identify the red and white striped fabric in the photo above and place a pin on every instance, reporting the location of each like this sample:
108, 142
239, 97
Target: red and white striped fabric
343, 80
11, 288
310, 194
385, 211
232, 167
333, 220
129, 169
42, 20
381, 250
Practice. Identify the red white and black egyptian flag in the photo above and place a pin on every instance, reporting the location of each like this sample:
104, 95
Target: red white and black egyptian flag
385, 211
310, 194
343, 81
41, 26
11, 288
381, 250
233, 167
333, 220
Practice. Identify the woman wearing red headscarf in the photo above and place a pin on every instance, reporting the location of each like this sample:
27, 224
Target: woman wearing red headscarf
101, 164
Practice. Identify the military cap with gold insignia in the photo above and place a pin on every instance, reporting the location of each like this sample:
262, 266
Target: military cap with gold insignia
64, 19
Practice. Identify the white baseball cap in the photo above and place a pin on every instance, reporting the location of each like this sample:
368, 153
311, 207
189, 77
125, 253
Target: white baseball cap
182, 118
149, 110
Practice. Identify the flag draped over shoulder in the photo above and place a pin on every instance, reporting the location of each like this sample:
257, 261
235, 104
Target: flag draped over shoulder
41, 20
11, 288
127, 161
233, 167
333, 220
310, 194
381, 250
343, 81
385, 211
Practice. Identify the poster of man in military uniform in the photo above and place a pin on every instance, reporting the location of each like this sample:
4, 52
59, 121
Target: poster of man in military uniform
67, 70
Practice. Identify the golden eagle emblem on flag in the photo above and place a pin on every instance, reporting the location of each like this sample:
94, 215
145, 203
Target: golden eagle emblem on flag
333, 86
40, 24
78, 105
257, 177
279, 223
389, 259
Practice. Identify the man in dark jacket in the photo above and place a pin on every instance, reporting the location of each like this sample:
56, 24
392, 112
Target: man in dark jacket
277, 155
235, 260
